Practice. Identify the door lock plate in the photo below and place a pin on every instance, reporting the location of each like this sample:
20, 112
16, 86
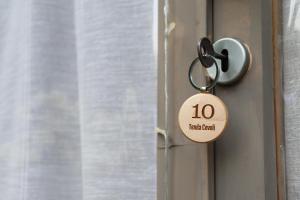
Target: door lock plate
238, 61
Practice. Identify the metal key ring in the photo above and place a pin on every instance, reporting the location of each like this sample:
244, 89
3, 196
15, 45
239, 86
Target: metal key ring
208, 87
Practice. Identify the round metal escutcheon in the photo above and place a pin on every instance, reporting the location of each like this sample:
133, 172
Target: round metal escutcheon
238, 61
203, 117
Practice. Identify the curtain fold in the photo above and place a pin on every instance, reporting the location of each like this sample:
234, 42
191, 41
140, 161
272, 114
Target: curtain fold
78, 100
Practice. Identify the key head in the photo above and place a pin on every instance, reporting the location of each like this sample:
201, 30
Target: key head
205, 52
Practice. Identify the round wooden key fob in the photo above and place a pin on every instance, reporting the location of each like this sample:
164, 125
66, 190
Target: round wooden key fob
203, 117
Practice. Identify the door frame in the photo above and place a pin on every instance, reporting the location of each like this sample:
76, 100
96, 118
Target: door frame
191, 170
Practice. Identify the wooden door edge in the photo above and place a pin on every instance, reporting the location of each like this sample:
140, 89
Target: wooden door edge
278, 98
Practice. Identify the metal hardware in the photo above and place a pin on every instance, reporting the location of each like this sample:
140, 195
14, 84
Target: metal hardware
206, 54
238, 59
206, 59
232, 57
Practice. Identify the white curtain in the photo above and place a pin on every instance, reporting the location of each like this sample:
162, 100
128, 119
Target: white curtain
77, 100
291, 60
